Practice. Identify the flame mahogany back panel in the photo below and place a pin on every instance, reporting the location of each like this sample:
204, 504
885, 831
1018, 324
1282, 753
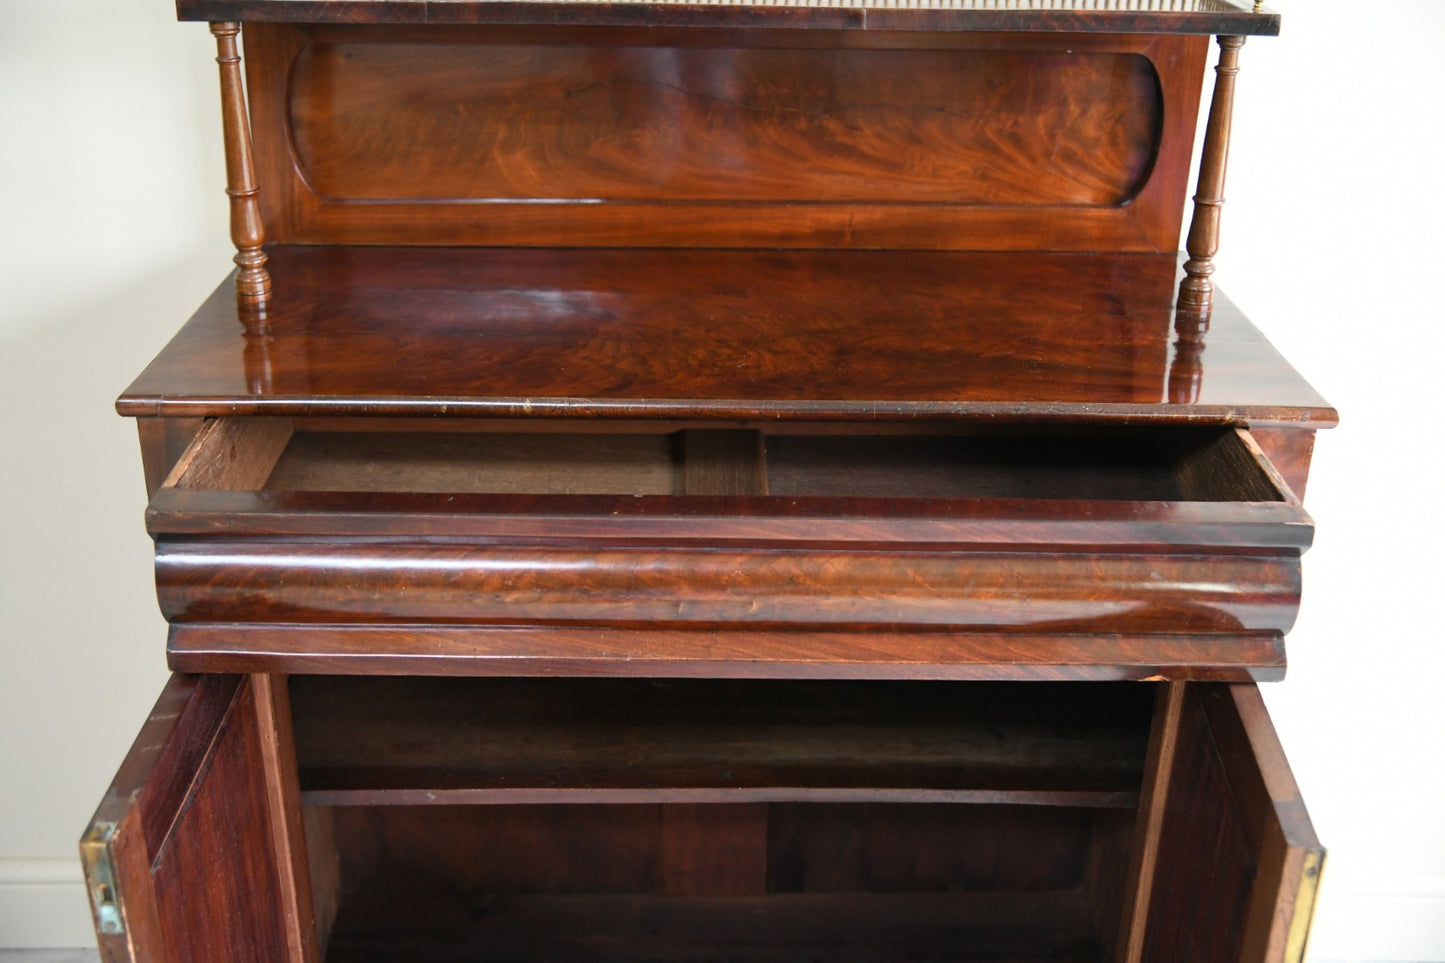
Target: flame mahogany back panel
601, 136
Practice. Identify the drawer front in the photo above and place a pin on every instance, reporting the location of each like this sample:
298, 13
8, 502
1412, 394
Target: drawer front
1146, 549
502, 819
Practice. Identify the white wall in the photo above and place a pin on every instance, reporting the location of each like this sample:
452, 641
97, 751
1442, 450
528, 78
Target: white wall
114, 228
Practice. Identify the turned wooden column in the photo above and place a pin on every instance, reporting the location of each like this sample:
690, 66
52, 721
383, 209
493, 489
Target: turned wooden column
1196, 292
253, 282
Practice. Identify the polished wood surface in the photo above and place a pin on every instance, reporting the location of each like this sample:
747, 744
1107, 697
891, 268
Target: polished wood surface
629, 123
733, 653
677, 441
490, 741
720, 335
1289, 451
248, 233
1126, 16
1196, 291
1198, 538
651, 137
190, 834
1239, 878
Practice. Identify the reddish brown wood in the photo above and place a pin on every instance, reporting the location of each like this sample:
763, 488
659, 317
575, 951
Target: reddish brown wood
502, 741
935, 927
319, 824
253, 283
283, 798
1121, 560
717, 850
552, 651
846, 882
513, 137
707, 350
162, 443
1290, 858
232, 581
1196, 292
1127, 16
192, 837
1149, 824
1238, 880
718, 335
1289, 451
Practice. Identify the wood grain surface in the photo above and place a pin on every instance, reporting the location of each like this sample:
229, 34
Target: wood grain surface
193, 844
662, 137
466, 122
718, 335
735, 653
449, 741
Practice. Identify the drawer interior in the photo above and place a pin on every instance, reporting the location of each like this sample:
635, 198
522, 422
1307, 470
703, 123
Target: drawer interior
1204, 464
615, 819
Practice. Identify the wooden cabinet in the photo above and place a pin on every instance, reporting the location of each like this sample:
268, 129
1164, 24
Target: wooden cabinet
709, 481
465, 818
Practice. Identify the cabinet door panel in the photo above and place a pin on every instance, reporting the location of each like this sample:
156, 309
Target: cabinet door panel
1239, 863
180, 854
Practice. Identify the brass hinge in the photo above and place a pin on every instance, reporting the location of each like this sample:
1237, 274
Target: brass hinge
100, 878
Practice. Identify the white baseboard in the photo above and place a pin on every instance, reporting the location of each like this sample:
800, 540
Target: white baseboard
43, 904
1365, 928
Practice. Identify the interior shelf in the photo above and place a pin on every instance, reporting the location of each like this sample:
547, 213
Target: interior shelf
1048, 927
438, 741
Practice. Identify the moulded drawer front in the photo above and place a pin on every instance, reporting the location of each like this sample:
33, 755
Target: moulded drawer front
323, 536
626, 819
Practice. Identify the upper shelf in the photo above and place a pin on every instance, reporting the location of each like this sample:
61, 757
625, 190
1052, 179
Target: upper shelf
721, 335
1239, 17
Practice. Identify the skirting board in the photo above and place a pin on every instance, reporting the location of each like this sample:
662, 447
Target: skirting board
43, 905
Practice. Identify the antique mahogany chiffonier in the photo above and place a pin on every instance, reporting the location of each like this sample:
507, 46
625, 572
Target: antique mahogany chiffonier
745, 480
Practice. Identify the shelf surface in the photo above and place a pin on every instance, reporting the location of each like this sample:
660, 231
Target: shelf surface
721, 335
1025, 927
445, 741
1238, 17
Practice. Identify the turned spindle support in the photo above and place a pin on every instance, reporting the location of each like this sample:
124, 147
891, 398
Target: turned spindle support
253, 282
1196, 292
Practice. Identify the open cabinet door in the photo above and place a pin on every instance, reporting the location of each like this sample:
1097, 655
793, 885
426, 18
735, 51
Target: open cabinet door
188, 856
1238, 862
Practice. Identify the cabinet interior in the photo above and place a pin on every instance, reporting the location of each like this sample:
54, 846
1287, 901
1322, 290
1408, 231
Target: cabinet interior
726, 819
1207, 464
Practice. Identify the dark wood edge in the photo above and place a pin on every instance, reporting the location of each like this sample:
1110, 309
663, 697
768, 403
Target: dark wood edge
1149, 824
725, 409
1100, 799
162, 442
283, 801
955, 525
146, 797
742, 654
1261, 459
1276, 822
185, 757
1240, 21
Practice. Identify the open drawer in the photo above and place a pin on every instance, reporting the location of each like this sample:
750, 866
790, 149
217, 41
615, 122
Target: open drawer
625, 819
652, 549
